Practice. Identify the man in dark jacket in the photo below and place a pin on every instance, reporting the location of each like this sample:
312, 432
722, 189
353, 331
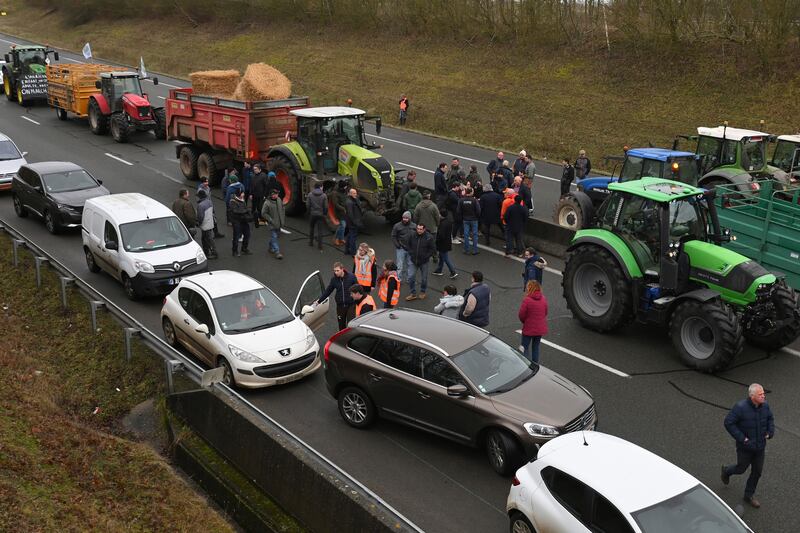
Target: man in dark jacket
490, 212
583, 165
401, 231
495, 164
317, 203
751, 424
453, 174
440, 183
527, 194
444, 245
184, 210
516, 215
567, 176
451, 206
520, 163
258, 191
240, 216
272, 184
341, 282
339, 200
476, 302
469, 211
421, 247
355, 221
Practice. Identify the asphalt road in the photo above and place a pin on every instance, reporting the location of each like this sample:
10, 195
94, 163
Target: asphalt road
642, 391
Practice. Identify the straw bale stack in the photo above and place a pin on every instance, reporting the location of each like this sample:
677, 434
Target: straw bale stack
218, 83
263, 82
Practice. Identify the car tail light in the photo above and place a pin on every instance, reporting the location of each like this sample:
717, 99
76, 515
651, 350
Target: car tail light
335, 336
515, 482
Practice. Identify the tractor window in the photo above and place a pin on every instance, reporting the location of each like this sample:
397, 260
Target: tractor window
632, 169
753, 155
342, 130
729, 152
686, 221
32, 61
127, 85
652, 167
638, 225
607, 212
709, 149
784, 156
687, 171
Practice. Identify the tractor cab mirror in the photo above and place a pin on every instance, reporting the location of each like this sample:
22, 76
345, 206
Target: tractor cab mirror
97, 84
55, 56
378, 126
155, 81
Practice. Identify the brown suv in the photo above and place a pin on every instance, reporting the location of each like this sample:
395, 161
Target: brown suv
453, 379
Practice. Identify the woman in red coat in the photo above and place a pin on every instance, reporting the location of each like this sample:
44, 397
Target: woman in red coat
533, 315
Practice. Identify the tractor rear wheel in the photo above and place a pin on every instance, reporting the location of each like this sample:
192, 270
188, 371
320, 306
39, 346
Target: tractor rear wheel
7, 88
188, 161
707, 335
596, 289
98, 122
290, 181
120, 130
784, 316
207, 168
573, 211
160, 117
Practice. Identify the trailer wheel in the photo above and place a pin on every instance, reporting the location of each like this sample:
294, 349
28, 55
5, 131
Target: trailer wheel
207, 168
120, 130
7, 88
98, 122
596, 290
160, 129
61, 113
188, 162
782, 321
290, 181
707, 335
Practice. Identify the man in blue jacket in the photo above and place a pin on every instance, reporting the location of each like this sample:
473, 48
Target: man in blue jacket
750, 423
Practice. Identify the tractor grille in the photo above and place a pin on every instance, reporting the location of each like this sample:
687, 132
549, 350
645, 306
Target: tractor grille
586, 419
144, 110
384, 169
365, 179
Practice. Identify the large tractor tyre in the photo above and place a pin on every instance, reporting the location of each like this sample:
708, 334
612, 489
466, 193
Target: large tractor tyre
596, 289
707, 335
784, 314
290, 181
160, 129
207, 168
8, 88
120, 130
187, 160
98, 122
61, 113
573, 211
21, 98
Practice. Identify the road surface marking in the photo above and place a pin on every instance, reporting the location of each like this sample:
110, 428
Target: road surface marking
162, 97
414, 167
112, 156
163, 83
29, 120
791, 352
583, 358
9, 42
515, 258
285, 231
74, 60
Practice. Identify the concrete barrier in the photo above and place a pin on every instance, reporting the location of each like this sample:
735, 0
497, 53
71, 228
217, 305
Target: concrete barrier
304, 486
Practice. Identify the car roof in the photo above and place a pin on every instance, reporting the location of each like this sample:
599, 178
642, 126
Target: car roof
327, 112
48, 167
628, 475
448, 334
130, 206
659, 154
657, 189
790, 138
734, 134
218, 283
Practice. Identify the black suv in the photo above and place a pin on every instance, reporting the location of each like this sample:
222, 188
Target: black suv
452, 379
56, 191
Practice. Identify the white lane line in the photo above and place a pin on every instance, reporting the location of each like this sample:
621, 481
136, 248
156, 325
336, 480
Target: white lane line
9, 42
414, 167
583, 358
285, 231
75, 60
791, 352
112, 156
515, 258
29, 120
163, 83
162, 97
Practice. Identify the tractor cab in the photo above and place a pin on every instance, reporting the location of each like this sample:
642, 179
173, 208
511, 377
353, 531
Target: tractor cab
114, 85
659, 163
786, 156
735, 148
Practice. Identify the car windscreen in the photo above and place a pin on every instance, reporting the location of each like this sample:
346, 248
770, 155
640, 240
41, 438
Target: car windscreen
493, 366
251, 310
69, 180
153, 234
8, 151
695, 511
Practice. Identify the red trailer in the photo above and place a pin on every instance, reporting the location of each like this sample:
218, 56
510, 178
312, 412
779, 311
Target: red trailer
216, 132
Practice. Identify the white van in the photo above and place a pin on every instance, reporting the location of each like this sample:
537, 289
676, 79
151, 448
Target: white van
10, 161
140, 242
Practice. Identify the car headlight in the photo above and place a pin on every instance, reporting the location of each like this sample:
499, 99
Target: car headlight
200, 257
67, 208
310, 340
143, 266
243, 355
540, 430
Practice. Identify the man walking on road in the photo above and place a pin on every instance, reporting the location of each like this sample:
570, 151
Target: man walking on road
440, 183
515, 218
567, 176
355, 221
469, 211
317, 209
401, 231
185, 211
476, 302
750, 423
341, 282
421, 248
273, 212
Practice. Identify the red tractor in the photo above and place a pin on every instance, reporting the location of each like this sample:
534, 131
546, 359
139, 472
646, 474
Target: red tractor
122, 107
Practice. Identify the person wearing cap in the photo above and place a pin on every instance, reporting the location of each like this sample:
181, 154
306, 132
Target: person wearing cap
520, 163
400, 232
317, 202
205, 220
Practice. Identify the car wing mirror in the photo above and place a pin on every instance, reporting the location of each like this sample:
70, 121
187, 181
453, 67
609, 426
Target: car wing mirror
100, 182
307, 309
24, 154
458, 391
202, 328
112, 245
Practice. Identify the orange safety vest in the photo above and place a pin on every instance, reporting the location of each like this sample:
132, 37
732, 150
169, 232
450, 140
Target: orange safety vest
383, 291
403, 104
365, 300
363, 274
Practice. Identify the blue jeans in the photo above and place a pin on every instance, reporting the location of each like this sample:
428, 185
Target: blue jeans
444, 259
402, 261
412, 276
471, 232
352, 241
530, 345
340, 230
273, 240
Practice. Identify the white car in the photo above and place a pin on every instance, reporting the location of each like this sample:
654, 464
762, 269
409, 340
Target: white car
10, 161
232, 321
594, 482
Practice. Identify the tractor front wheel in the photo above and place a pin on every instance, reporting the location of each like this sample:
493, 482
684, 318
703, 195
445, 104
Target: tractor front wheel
98, 122
120, 130
782, 323
290, 181
596, 289
707, 335
21, 98
7, 88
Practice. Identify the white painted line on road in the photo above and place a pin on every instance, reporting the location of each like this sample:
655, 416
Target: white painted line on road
112, 156
791, 352
285, 231
163, 83
29, 120
9, 42
162, 97
414, 167
583, 358
515, 258
75, 60
426, 148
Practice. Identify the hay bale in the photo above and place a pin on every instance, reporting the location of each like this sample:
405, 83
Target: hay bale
263, 82
218, 83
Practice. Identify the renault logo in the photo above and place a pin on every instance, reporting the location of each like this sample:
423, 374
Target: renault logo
176, 266
285, 352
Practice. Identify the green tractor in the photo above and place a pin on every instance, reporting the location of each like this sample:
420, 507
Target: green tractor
654, 256
330, 147
24, 77
786, 158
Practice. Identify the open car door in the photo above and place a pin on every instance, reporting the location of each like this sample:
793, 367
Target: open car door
312, 288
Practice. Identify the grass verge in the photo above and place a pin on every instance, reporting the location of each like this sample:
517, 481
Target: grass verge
65, 462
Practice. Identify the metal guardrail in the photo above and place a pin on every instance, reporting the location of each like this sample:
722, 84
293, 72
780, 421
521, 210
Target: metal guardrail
174, 360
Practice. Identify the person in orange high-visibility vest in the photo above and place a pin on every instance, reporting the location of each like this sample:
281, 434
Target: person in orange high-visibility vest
389, 285
404, 105
363, 301
364, 268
